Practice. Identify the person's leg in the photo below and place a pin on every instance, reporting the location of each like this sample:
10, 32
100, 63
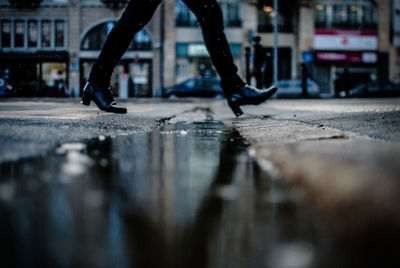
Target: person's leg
209, 15
237, 93
137, 14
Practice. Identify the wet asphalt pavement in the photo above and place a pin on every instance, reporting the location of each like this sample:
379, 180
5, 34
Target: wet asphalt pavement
186, 195
166, 190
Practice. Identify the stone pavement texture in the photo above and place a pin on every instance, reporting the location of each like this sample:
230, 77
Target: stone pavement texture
342, 156
339, 155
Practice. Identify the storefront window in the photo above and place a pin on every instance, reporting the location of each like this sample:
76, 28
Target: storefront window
33, 33
59, 33
5, 33
192, 66
19, 28
346, 14
137, 71
139, 84
54, 77
192, 60
46, 34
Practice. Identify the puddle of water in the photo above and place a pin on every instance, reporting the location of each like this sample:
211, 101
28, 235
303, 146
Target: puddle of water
187, 195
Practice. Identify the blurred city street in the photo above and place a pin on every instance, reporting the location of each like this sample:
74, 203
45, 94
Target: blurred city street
184, 183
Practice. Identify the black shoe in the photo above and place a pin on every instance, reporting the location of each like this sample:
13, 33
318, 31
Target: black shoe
102, 97
248, 95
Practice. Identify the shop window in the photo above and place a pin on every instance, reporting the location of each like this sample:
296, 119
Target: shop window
96, 37
54, 77
46, 34
59, 33
346, 14
230, 10
6, 33
19, 32
33, 33
266, 17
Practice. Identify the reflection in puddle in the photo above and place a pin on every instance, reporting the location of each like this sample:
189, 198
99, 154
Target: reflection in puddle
187, 195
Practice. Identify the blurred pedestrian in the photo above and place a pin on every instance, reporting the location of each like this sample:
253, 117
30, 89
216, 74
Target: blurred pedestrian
137, 14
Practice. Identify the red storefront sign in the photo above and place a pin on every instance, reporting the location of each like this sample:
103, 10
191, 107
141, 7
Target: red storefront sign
346, 57
345, 40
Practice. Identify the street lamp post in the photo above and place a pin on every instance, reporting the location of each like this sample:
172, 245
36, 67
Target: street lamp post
275, 25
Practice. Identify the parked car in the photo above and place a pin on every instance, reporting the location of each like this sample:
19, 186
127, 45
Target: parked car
293, 89
6, 90
373, 89
196, 87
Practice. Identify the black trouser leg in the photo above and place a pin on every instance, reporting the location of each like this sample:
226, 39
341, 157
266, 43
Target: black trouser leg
137, 14
209, 15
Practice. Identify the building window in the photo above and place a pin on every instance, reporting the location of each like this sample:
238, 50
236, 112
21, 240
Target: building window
96, 37
25, 4
141, 41
19, 32
346, 14
266, 17
184, 17
352, 16
59, 30
46, 34
33, 33
6, 33
230, 10
369, 17
320, 16
339, 19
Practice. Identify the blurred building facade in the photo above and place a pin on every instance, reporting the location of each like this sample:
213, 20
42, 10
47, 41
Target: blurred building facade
341, 42
58, 40
50, 45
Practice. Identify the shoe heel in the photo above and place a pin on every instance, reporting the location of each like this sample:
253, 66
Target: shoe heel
235, 109
86, 97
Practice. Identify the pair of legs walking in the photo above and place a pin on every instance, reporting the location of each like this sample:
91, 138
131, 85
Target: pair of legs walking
137, 14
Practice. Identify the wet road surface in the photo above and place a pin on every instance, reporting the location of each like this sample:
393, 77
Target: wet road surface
185, 195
